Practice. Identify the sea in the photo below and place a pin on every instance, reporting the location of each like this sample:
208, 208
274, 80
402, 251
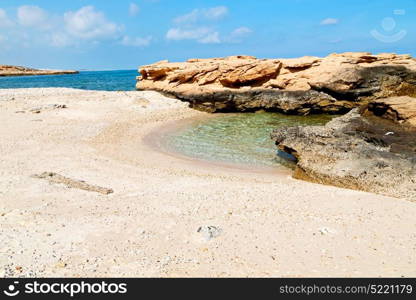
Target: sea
238, 138
120, 80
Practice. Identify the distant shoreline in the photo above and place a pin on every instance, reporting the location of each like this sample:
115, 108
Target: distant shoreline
11, 71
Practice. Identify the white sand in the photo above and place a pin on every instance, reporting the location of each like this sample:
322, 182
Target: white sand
271, 225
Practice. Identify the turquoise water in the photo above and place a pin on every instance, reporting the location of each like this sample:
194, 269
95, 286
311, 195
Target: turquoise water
122, 80
242, 138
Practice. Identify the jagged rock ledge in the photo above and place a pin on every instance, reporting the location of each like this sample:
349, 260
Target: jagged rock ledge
334, 84
6, 70
372, 148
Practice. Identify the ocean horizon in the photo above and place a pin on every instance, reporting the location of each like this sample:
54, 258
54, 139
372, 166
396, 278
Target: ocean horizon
111, 80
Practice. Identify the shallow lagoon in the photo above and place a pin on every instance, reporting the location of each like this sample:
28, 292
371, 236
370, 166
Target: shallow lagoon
241, 138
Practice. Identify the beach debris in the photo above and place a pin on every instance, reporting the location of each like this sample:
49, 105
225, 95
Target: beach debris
61, 264
389, 133
47, 107
19, 269
209, 232
39, 109
142, 102
72, 183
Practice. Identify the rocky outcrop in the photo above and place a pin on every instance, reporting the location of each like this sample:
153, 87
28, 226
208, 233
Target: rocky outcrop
23, 71
372, 148
334, 84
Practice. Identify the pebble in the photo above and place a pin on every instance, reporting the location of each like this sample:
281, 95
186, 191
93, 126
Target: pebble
326, 230
209, 232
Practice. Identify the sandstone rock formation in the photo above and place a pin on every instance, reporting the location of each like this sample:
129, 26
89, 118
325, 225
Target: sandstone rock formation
23, 71
334, 84
372, 148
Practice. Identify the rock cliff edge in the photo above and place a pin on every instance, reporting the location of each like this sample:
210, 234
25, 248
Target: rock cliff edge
334, 84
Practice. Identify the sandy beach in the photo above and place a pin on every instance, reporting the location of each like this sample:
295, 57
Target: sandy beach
265, 224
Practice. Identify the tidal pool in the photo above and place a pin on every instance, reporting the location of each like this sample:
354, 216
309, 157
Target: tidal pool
241, 138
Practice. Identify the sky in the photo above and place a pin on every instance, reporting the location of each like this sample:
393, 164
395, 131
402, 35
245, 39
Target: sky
124, 34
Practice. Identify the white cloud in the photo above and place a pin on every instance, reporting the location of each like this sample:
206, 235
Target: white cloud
88, 23
241, 32
238, 34
136, 41
197, 25
188, 18
202, 35
212, 38
32, 16
178, 34
60, 39
330, 21
215, 13
4, 19
335, 41
209, 14
133, 9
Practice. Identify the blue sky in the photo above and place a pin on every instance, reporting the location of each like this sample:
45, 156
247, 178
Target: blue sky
123, 34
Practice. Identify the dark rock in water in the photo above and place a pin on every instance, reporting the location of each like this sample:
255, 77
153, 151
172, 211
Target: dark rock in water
287, 156
334, 84
371, 149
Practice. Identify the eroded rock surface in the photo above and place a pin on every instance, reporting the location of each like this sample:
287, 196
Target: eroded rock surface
372, 148
334, 84
23, 71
